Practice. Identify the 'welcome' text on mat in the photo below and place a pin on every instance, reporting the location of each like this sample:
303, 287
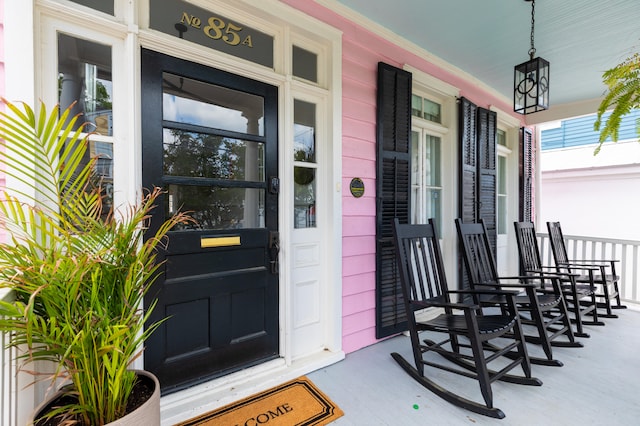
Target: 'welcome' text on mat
297, 402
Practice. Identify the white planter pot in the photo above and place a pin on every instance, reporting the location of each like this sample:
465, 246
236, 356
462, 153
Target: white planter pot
146, 414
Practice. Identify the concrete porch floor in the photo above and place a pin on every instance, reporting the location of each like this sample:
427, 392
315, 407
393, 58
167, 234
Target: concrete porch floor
599, 384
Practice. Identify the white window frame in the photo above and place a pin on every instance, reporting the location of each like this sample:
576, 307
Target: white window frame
446, 95
507, 257
420, 189
502, 151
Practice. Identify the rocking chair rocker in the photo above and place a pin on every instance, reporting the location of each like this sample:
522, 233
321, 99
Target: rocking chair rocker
470, 333
546, 307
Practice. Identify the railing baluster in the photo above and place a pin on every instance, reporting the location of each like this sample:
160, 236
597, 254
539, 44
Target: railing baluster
635, 272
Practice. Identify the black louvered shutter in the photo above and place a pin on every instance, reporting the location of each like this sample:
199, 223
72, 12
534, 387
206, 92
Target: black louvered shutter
487, 193
468, 160
468, 172
393, 191
477, 171
526, 175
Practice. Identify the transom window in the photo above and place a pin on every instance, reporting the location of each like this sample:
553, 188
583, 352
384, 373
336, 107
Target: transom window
501, 137
426, 108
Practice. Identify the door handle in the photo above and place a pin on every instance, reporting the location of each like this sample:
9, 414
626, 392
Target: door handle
274, 251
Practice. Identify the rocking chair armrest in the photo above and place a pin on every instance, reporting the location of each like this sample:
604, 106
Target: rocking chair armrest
578, 264
515, 285
594, 261
533, 286
488, 292
584, 266
552, 273
545, 270
433, 304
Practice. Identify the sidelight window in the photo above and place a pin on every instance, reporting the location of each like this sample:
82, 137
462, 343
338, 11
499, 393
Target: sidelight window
85, 82
305, 165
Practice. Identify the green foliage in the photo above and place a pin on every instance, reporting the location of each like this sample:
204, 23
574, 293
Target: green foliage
623, 95
79, 276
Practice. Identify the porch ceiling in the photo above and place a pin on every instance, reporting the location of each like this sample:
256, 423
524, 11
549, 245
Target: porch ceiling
487, 38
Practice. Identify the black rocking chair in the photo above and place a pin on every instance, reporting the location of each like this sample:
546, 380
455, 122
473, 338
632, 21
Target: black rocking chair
545, 305
469, 333
580, 298
598, 272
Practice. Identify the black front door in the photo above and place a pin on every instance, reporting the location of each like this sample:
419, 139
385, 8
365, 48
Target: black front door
209, 138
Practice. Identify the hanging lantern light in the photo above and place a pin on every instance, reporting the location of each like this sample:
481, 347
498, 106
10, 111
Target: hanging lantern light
531, 79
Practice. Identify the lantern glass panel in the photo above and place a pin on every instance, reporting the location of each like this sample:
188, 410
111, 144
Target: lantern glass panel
531, 86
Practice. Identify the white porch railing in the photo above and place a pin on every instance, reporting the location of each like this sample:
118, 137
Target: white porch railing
626, 251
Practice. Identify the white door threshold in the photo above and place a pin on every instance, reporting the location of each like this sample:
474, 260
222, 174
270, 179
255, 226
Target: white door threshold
200, 399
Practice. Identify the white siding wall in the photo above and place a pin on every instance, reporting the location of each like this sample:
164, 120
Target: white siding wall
592, 195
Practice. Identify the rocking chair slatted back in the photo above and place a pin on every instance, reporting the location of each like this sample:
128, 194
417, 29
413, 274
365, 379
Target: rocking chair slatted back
426, 278
477, 251
598, 272
528, 248
580, 297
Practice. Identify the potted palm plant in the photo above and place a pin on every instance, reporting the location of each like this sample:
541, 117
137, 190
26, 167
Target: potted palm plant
78, 271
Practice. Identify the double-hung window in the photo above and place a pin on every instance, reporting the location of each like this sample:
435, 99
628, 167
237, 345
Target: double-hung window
427, 133
502, 195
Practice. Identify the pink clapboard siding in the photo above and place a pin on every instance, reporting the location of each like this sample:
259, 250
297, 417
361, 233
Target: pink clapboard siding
361, 52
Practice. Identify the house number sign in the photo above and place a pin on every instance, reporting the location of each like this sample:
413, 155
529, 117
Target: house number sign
210, 29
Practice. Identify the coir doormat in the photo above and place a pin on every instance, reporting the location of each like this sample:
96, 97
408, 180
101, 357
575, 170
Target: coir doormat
298, 402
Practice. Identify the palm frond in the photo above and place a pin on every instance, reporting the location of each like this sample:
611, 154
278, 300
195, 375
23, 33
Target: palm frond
623, 96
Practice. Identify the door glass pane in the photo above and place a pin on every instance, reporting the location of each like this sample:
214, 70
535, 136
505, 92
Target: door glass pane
212, 156
84, 77
304, 130
304, 197
202, 104
217, 208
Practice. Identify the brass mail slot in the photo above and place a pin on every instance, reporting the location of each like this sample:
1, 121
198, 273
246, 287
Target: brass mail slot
207, 242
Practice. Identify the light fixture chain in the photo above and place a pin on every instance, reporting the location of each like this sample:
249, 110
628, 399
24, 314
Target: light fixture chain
532, 51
